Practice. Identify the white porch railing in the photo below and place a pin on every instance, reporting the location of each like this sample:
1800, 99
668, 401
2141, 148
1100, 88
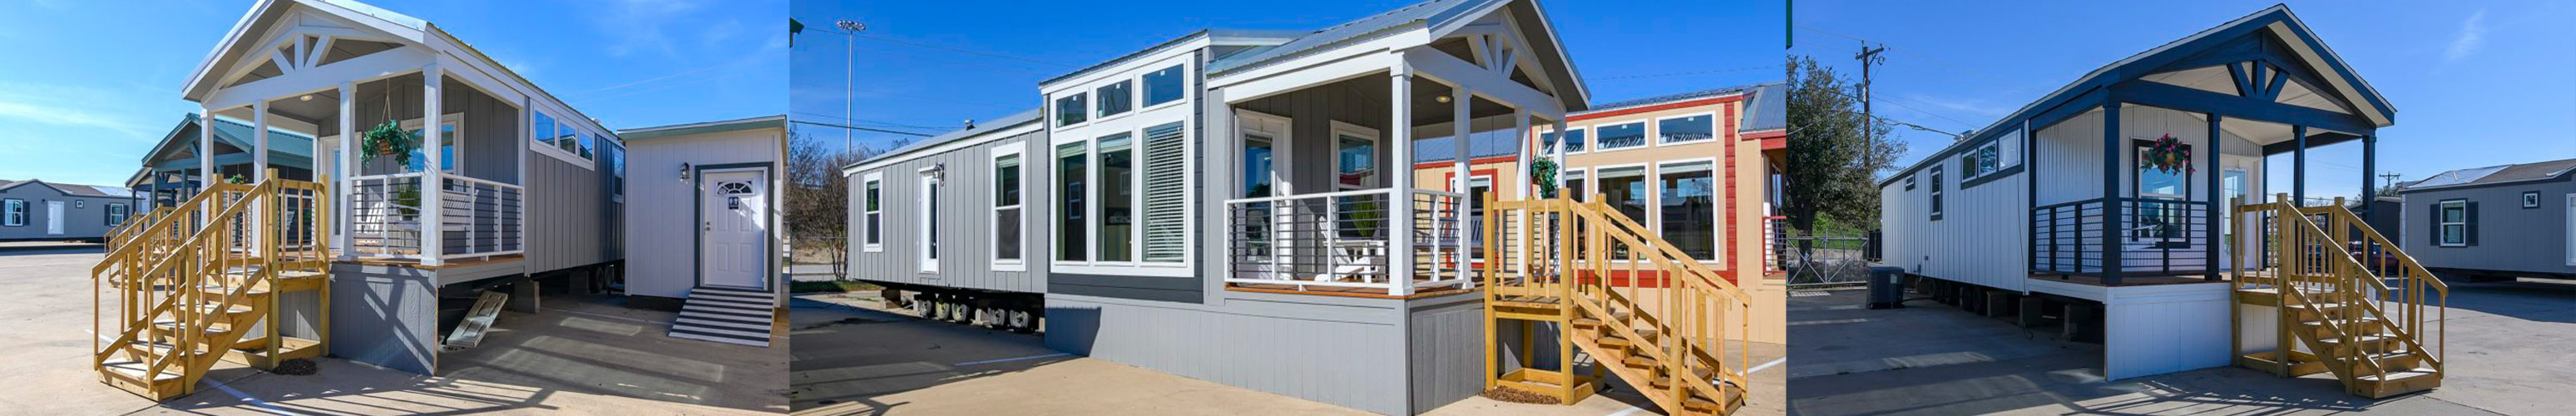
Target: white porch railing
1343, 239
479, 218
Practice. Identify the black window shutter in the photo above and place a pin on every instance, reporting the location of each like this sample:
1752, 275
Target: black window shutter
2473, 223
2435, 221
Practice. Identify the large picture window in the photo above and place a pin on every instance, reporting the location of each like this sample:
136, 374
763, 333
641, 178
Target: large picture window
1622, 136
1166, 205
1006, 207
1624, 189
873, 217
1117, 198
1686, 129
1072, 171
1689, 205
2160, 211
1164, 86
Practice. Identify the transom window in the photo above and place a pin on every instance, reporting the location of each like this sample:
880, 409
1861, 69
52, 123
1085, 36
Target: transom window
1622, 136
735, 188
1071, 110
1164, 86
1686, 129
1116, 97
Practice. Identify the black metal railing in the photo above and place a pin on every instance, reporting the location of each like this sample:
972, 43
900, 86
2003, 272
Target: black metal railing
2151, 237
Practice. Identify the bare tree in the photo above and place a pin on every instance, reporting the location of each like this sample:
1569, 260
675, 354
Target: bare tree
818, 208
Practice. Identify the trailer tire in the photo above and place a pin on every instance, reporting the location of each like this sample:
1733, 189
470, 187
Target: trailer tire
921, 305
1020, 321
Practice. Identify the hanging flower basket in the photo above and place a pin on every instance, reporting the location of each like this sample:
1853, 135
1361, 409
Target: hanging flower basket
1543, 171
2167, 154
389, 139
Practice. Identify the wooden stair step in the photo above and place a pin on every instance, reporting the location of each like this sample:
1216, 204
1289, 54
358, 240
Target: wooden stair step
133, 370
168, 324
1640, 361
2398, 382
1533, 302
1665, 380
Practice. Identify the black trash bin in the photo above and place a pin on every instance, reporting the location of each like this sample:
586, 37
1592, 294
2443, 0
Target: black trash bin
1886, 287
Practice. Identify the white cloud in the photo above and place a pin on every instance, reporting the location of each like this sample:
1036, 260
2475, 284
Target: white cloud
2472, 35
69, 106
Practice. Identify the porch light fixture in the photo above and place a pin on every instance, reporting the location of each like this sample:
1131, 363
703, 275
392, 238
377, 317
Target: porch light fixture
306, 97
684, 171
1443, 99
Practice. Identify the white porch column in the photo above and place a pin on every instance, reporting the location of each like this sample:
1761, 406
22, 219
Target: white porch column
1461, 122
433, 192
1563, 143
205, 154
1521, 157
341, 212
1399, 255
259, 141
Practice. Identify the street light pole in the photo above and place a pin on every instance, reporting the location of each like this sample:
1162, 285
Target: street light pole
849, 78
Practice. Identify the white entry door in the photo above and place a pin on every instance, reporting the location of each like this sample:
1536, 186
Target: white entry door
733, 229
53, 217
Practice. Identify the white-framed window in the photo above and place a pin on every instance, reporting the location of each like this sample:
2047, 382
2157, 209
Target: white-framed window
1165, 182
1115, 222
1981, 161
1688, 207
541, 127
116, 213
1686, 129
1575, 187
1355, 160
558, 137
1072, 197
455, 145
1116, 98
2453, 222
1628, 135
1909, 183
2531, 199
872, 214
1165, 85
1936, 193
1071, 110
929, 238
1008, 212
13, 212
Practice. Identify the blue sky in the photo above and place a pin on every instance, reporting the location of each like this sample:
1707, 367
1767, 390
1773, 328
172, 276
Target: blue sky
105, 93
2474, 83
929, 66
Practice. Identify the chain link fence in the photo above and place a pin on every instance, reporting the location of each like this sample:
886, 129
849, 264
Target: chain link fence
1812, 260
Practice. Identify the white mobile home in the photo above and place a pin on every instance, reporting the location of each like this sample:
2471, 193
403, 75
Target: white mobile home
2533, 208
2118, 193
705, 225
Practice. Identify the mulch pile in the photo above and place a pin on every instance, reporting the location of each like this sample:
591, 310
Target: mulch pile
295, 367
1512, 395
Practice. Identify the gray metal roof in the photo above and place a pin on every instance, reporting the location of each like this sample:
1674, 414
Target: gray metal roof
1641, 102
1023, 117
1431, 12
72, 189
1767, 110
2494, 174
1234, 36
776, 121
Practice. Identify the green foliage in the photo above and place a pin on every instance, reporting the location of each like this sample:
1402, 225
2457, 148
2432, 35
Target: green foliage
389, 139
830, 287
1543, 171
1834, 151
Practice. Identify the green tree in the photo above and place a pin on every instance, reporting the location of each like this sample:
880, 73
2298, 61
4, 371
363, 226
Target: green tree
818, 204
1835, 152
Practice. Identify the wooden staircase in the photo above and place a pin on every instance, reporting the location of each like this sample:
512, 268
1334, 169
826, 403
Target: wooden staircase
1549, 261
2374, 319
201, 283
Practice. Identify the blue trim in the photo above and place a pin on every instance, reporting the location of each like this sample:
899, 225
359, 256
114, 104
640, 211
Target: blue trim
2186, 99
1991, 177
2112, 220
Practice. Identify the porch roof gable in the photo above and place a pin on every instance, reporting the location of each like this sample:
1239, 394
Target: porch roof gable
2276, 21
1430, 14
264, 16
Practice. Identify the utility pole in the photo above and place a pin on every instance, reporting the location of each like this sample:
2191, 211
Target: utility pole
1869, 57
2388, 179
849, 77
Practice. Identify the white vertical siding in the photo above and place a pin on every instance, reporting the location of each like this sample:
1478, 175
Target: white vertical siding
661, 209
2164, 329
1982, 237
2069, 159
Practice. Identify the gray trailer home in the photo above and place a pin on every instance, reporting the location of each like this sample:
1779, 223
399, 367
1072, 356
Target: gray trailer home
170, 171
705, 226
2533, 208
1214, 206
979, 177
504, 185
35, 210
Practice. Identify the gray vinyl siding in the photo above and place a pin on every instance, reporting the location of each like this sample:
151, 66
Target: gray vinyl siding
566, 215
85, 217
1350, 352
2510, 238
965, 222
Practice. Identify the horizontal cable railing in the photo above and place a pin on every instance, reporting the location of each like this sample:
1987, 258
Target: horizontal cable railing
2154, 236
482, 217
1345, 239
477, 217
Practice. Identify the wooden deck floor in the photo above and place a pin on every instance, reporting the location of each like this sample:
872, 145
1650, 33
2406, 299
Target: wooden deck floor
411, 263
